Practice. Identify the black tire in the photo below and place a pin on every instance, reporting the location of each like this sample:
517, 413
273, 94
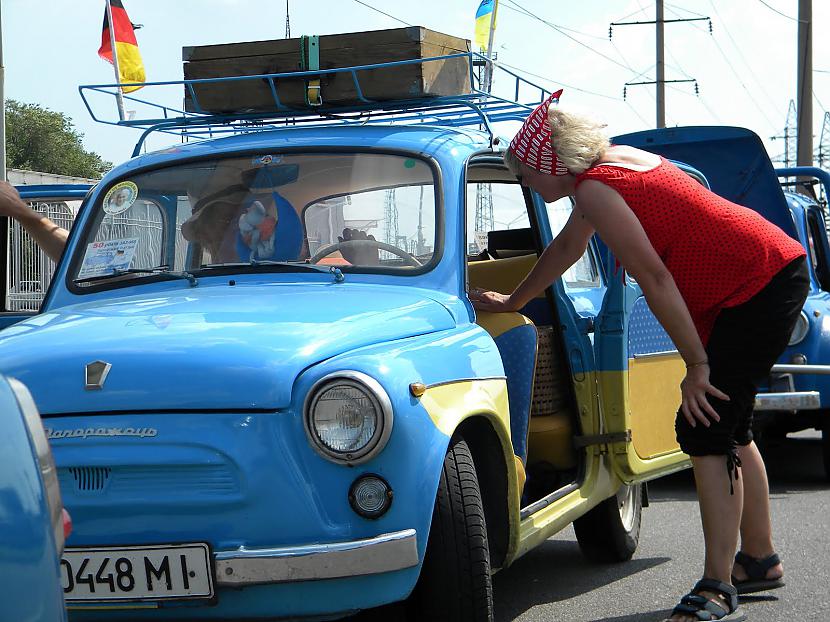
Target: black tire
455, 583
611, 531
825, 450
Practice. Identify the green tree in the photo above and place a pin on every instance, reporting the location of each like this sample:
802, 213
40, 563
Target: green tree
39, 139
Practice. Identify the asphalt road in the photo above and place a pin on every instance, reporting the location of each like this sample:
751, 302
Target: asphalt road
555, 583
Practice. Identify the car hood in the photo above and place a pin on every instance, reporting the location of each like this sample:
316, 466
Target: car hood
205, 348
733, 159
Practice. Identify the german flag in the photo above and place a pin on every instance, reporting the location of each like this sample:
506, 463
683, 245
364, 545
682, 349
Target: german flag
130, 66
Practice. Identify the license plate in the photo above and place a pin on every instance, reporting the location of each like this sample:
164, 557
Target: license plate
168, 571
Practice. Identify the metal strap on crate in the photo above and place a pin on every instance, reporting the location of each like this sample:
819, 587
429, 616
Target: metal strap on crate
310, 61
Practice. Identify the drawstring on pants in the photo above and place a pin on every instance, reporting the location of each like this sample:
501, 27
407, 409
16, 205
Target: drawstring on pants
732, 464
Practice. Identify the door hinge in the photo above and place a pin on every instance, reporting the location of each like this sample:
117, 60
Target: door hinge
602, 439
611, 324
585, 324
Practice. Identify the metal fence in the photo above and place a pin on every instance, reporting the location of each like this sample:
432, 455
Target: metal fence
29, 269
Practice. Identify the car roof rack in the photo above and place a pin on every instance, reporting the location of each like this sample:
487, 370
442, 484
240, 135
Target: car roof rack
478, 108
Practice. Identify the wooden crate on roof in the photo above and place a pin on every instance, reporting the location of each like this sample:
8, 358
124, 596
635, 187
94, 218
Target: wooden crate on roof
413, 81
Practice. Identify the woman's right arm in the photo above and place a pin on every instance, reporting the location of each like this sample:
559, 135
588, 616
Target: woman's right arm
49, 236
564, 251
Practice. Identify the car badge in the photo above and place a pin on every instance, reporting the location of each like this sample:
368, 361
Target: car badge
96, 374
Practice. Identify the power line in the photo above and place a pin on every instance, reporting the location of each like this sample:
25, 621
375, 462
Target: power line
754, 76
735, 71
701, 100
579, 32
820, 105
774, 10
642, 10
369, 6
637, 112
563, 33
674, 6
570, 86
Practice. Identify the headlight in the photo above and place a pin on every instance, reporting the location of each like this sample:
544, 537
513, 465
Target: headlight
44, 457
348, 417
802, 326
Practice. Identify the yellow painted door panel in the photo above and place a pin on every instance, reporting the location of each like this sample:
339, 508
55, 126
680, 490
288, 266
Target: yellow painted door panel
654, 390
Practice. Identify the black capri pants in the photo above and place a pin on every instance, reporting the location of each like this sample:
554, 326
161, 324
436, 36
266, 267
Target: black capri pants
745, 342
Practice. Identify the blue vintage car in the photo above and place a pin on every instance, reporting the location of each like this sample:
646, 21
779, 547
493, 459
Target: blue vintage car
32, 522
269, 395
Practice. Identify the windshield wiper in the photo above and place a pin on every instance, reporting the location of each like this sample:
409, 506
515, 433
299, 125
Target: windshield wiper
158, 271
289, 266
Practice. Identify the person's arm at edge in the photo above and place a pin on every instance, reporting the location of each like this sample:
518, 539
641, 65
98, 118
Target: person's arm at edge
48, 235
620, 229
561, 254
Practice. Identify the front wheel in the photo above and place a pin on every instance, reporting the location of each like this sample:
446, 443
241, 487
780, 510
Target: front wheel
611, 531
825, 449
455, 583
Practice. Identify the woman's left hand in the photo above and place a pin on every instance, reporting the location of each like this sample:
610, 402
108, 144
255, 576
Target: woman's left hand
695, 406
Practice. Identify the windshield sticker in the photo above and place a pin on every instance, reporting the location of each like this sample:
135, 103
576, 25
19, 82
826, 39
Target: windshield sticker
107, 257
120, 198
266, 160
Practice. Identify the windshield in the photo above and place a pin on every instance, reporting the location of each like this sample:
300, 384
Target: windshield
371, 212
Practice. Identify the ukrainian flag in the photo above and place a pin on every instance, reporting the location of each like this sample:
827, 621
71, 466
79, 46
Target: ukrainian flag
130, 65
483, 18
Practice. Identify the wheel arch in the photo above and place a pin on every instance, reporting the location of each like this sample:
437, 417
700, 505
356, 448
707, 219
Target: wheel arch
499, 498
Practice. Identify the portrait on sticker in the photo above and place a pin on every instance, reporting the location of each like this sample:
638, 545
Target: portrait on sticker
120, 197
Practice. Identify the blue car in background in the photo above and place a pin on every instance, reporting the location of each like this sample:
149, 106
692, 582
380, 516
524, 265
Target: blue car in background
33, 524
809, 345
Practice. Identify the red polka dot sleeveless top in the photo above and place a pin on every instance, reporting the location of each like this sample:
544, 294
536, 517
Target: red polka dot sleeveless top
720, 254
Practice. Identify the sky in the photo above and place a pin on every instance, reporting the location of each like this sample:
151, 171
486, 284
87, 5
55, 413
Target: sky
745, 69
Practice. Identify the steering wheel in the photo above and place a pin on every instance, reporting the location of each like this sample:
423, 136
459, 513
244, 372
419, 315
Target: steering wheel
347, 244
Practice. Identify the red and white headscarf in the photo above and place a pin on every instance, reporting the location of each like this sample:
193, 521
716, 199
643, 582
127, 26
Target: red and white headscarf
532, 143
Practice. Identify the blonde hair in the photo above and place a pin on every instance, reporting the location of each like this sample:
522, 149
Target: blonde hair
578, 141
512, 163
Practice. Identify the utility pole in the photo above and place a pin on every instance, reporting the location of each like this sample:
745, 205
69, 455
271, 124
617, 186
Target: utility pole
661, 67
287, 22
2, 107
660, 81
805, 83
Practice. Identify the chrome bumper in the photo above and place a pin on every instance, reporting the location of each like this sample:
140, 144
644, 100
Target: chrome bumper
792, 400
796, 400
384, 553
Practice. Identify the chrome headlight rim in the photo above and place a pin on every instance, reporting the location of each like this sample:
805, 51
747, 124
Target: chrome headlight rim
800, 330
383, 428
46, 461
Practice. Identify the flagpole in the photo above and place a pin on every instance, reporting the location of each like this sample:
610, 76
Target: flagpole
119, 95
488, 74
